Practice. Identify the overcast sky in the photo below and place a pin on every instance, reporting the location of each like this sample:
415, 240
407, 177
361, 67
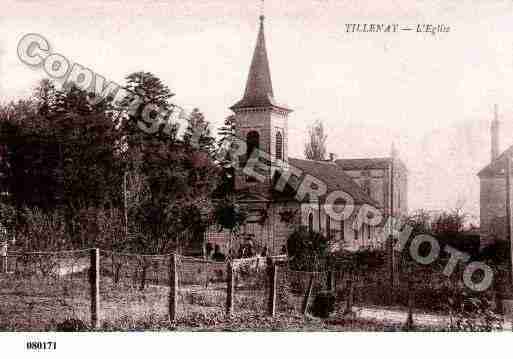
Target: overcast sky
432, 95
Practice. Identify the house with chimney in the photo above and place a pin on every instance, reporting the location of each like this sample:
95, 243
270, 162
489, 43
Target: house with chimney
272, 203
495, 216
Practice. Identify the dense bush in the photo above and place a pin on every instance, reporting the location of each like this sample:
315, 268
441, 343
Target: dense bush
367, 259
39, 230
7, 215
72, 325
470, 312
308, 251
496, 253
323, 304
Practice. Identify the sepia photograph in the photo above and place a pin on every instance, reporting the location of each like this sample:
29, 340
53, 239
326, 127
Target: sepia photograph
315, 166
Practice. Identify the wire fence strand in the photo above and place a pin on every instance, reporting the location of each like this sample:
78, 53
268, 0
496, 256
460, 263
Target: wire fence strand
42, 289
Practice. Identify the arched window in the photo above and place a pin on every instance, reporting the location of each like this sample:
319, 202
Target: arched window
328, 226
252, 142
342, 231
279, 146
310, 223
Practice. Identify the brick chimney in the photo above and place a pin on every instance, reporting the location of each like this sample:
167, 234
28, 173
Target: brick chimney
495, 134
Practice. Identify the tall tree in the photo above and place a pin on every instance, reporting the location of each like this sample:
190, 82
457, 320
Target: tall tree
89, 146
62, 152
315, 146
225, 134
177, 175
198, 133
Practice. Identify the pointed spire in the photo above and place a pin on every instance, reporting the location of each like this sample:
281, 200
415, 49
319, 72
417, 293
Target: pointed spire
259, 88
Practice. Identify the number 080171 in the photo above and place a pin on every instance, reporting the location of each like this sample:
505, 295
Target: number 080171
41, 345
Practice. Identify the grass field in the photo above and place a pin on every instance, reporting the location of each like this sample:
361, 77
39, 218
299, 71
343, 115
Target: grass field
44, 305
47, 293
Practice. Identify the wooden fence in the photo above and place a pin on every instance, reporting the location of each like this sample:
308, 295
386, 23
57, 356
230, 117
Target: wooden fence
265, 285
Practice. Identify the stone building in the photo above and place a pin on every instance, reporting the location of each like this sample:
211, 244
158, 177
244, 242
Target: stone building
379, 178
492, 198
274, 196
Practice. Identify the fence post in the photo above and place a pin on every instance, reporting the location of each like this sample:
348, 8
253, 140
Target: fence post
229, 288
94, 282
173, 287
3, 256
273, 281
206, 274
308, 293
350, 295
391, 259
4, 264
411, 304
331, 281
143, 276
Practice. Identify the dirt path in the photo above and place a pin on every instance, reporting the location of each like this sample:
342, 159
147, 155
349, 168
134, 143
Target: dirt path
399, 316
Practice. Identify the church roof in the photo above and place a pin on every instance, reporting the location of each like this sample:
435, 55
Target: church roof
259, 87
333, 176
496, 167
364, 163
368, 163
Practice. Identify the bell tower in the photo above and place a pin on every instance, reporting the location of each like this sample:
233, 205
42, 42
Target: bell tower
260, 122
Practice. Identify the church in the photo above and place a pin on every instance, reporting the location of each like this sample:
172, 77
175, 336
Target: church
274, 203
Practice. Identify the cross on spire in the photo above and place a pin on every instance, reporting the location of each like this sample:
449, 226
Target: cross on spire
259, 88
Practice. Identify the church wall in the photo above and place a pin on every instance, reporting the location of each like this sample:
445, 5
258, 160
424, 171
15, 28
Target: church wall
274, 233
248, 121
282, 229
352, 239
378, 183
380, 186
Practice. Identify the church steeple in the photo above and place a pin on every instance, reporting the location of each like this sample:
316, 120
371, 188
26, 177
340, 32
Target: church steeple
259, 87
260, 121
